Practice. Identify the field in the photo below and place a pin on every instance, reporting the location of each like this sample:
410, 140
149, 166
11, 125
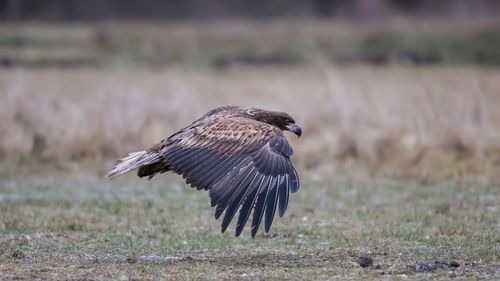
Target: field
399, 159
83, 227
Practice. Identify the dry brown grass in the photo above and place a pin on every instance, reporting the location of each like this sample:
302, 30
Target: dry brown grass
400, 116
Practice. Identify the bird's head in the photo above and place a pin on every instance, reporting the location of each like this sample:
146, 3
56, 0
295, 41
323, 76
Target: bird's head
279, 119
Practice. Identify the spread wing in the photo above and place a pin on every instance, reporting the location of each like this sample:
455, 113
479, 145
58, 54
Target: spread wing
243, 163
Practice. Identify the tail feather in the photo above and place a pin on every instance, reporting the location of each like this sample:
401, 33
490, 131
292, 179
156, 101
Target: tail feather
133, 161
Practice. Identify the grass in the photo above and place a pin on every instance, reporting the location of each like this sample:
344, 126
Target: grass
280, 42
416, 119
61, 227
398, 163
424, 121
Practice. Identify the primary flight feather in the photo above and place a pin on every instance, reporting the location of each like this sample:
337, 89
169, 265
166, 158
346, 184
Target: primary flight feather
239, 154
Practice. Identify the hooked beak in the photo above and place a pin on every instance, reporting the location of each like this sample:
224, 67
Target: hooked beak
294, 128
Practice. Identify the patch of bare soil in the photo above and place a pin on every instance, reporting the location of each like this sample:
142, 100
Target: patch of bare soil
455, 267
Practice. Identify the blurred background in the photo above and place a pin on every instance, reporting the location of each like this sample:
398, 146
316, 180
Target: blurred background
398, 87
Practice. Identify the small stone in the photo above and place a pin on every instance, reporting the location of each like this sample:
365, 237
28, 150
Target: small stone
365, 261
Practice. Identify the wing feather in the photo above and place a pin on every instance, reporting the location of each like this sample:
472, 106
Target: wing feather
196, 175
219, 171
294, 182
182, 162
219, 192
260, 207
249, 203
199, 163
284, 189
245, 211
242, 162
238, 197
271, 206
245, 182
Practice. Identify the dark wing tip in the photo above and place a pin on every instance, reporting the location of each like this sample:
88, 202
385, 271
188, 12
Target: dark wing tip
271, 206
238, 197
284, 188
259, 208
294, 181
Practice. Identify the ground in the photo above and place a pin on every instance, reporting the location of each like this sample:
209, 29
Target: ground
399, 159
60, 227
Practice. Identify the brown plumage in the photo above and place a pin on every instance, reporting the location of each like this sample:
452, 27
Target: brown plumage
239, 154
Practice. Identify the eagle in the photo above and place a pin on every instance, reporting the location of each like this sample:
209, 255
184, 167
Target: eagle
239, 154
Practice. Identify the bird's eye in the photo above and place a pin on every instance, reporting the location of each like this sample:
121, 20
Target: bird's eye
287, 121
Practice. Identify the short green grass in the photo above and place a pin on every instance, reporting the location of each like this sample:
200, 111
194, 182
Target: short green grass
79, 227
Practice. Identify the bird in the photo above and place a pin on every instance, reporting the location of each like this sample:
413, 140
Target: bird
239, 154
